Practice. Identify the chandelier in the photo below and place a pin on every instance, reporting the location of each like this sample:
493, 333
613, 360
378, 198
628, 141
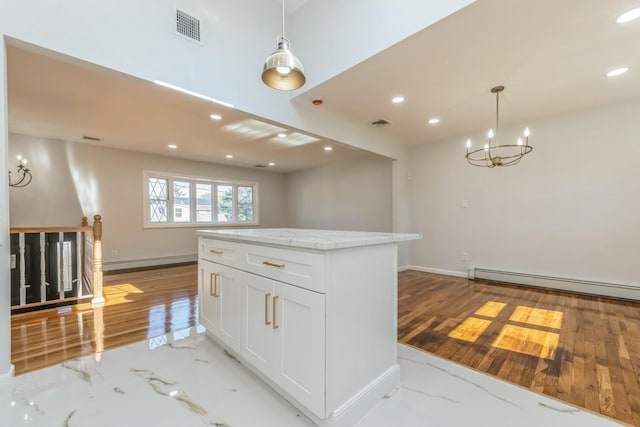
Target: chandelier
22, 176
282, 70
494, 154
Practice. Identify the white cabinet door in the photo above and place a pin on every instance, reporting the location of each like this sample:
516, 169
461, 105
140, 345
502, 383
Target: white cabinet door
207, 302
284, 337
299, 320
221, 304
258, 348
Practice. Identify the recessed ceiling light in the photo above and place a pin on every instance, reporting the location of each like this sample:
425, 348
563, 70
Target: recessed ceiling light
328, 148
216, 116
629, 16
172, 146
397, 99
271, 164
282, 135
617, 71
434, 121
229, 156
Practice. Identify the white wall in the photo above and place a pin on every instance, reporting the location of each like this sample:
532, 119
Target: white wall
331, 36
74, 179
353, 195
5, 291
571, 208
138, 38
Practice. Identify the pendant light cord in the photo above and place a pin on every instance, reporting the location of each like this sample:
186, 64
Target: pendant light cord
282, 18
497, 114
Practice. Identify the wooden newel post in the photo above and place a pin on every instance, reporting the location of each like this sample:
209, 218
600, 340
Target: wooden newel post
98, 297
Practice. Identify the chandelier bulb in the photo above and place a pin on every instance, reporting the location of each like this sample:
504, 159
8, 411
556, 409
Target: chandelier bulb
519, 141
468, 143
490, 134
19, 157
526, 133
486, 147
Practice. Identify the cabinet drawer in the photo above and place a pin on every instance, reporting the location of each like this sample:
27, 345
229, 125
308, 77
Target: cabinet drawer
304, 269
221, 252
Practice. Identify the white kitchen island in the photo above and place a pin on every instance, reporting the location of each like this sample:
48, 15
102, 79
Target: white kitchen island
311, 312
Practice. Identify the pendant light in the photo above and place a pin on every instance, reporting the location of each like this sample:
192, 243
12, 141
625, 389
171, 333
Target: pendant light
282, 70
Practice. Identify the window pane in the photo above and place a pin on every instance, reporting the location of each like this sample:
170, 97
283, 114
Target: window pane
224, 201
181, 201
245, 203
203, 203
158, 199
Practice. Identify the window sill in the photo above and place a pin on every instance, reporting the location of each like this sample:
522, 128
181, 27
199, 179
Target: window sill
202, 225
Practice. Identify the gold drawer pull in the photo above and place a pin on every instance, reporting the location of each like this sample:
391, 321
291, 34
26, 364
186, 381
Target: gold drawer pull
275, 323
213, 251
273, 264
266, 309
213, 285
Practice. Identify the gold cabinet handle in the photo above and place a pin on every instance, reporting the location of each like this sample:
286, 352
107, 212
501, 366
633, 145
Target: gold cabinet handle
275, 323
213, 251
213, 285
266, 309
273, 264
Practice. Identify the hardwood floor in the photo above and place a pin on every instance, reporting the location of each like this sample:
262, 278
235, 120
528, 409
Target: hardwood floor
579, 349
138, 306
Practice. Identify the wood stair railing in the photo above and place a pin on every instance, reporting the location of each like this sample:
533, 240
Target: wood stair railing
47, 268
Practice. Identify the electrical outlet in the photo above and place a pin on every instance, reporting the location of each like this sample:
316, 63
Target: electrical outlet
13, 261
114, 254
464, 256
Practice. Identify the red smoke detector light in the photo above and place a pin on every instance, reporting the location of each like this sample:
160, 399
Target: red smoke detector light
317, 102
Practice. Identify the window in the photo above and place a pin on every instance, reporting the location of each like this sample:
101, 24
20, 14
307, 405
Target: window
178, 200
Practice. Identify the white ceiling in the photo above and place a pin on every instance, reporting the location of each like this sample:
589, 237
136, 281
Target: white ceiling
551, 56
58, 97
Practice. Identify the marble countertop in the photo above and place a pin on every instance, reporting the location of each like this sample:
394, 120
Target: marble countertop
308, 239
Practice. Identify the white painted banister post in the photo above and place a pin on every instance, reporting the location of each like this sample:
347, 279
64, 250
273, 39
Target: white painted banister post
43, 269
79, 260
23, 277
98, 298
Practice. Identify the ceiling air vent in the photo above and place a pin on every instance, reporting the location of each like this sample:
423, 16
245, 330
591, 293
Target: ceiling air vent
381, 122
90, 138
187, 26
260, 166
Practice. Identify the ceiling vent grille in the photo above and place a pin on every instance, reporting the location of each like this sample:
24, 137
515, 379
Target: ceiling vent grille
381, 122
91, 138
187, 26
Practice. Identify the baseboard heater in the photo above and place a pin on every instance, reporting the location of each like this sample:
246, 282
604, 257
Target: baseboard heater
572, 285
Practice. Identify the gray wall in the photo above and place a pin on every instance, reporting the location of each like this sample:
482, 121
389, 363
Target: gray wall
354, 195
72, 180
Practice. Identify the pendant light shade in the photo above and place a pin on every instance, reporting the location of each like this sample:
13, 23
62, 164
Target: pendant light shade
282, 70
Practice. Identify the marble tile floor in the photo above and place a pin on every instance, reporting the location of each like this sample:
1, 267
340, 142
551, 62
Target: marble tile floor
184, 379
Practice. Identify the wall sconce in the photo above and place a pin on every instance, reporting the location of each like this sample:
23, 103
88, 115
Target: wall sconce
22, 176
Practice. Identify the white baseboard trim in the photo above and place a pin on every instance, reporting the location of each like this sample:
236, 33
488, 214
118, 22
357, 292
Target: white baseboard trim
148, 262
580, 286
365, 400
435, 270
9, 374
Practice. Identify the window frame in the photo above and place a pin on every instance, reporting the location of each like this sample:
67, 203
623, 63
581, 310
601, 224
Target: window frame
193, 214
